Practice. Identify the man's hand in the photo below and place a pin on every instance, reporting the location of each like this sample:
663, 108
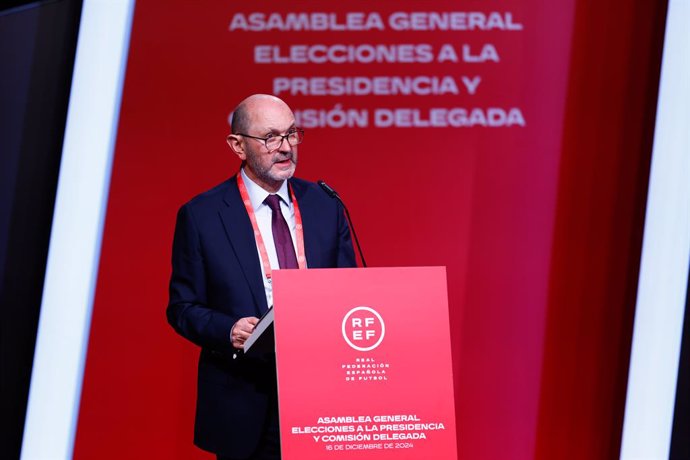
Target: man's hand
242, 330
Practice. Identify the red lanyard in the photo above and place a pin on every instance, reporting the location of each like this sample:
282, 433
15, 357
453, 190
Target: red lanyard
299, 233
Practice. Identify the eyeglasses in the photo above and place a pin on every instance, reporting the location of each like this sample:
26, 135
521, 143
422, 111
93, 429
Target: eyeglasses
275, 141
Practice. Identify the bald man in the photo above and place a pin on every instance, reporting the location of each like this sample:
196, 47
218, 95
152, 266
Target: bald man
227, 241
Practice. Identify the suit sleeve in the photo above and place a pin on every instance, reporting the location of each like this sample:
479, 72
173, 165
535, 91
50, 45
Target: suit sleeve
346, 253
188, 312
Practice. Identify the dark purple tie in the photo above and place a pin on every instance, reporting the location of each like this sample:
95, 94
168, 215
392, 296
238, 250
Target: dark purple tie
281, 234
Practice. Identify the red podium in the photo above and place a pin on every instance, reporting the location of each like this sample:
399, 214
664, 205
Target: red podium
364, 364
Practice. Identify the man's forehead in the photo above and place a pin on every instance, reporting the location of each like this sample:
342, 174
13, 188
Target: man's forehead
271, 115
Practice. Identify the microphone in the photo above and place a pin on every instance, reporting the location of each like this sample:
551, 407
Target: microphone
333, 194
329, 190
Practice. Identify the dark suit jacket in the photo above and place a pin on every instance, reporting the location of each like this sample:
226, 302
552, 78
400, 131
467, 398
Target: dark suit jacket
216, 280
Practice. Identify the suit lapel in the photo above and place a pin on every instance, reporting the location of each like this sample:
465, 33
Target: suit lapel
238, 229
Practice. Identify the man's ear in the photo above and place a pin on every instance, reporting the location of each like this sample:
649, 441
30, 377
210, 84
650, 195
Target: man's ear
236, 145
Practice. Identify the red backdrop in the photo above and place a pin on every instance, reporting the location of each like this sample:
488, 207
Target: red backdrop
539, 225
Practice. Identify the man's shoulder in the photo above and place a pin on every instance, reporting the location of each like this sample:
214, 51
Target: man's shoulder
310, 194
227, 190
212, 196
302, 184
307, 191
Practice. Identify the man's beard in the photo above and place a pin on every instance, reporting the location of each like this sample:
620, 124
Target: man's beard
267, 174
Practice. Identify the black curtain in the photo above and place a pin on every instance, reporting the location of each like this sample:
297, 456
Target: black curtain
37, 47
680, 438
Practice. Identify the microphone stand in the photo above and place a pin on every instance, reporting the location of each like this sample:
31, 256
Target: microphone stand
333, 194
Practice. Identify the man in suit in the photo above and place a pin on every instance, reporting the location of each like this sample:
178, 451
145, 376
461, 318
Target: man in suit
227, 241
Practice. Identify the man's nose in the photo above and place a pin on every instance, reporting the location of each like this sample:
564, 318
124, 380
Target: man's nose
285, 147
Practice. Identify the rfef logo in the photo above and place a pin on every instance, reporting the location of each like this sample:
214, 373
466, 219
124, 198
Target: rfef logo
363, 328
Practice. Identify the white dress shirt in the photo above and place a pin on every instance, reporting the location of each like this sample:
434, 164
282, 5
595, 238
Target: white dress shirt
264, 216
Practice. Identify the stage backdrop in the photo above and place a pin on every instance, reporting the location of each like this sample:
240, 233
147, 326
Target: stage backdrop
512, 135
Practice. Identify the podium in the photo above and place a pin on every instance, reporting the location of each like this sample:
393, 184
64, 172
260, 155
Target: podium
364, 363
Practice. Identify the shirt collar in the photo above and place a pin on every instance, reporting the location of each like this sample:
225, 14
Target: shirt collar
257, 195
